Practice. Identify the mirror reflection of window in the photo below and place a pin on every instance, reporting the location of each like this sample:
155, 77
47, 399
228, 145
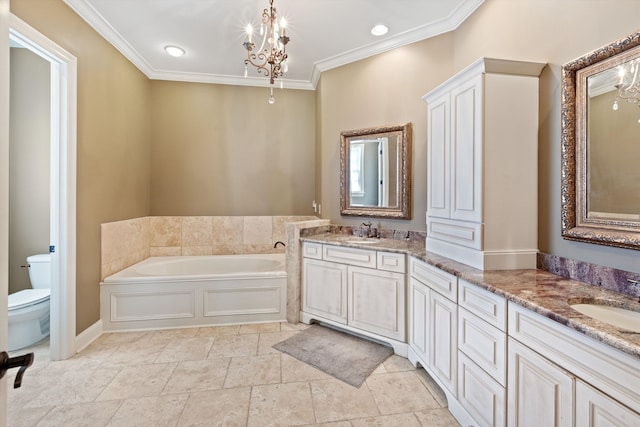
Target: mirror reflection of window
356, 156
375, 172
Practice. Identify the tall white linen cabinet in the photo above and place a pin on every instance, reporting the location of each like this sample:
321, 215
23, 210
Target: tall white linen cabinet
482, 141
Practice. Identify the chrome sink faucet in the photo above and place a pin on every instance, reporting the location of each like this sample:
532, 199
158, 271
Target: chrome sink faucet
368, 228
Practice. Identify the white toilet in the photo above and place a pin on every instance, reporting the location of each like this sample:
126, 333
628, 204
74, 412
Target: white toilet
29, 308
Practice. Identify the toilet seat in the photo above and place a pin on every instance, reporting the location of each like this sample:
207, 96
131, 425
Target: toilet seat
28, 297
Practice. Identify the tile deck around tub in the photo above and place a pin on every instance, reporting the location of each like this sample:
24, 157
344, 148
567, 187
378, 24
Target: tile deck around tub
214, 376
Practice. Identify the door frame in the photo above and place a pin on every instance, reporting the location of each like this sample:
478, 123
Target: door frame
4, 196
63, 183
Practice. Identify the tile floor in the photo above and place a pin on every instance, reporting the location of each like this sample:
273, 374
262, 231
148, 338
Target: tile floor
214, 376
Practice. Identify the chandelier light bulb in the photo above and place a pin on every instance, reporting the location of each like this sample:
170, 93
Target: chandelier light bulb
270, 58
628, 87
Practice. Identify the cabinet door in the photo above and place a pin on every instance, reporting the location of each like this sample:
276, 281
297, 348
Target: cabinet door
324, 289
540, 392
593, 408
377, 302
443, 339
480, 395
439, 128
466, 151
418, 315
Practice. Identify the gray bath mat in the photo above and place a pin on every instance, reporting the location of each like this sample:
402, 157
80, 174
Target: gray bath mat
341, 355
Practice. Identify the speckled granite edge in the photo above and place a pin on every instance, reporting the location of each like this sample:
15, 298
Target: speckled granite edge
544, 292
346, 230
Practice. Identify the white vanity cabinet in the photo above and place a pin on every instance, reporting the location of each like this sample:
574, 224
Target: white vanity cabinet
361, 290
482, 149
540, 392
325, 289
482, 351
593, 409
377, 301
556, 373
433, 312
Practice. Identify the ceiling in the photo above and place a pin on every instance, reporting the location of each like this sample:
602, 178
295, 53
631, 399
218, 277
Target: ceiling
324, 33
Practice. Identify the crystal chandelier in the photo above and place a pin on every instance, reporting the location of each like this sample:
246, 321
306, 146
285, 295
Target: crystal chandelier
628, 86
270, 59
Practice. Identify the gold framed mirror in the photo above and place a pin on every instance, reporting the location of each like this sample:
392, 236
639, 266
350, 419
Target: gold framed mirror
601, 145
375, 172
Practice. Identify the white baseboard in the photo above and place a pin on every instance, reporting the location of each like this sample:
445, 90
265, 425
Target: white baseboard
88, 336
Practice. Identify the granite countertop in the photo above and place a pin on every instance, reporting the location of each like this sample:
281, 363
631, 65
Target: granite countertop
545, 293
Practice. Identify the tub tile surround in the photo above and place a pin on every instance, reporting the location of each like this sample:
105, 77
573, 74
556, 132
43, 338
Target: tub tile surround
544, 292
127, 242
293, 231
124, 243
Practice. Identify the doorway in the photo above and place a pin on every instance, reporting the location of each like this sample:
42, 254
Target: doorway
62, 183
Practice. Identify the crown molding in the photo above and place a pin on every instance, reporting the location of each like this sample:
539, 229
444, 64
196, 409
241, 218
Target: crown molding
229, 80
97, 22
417, 34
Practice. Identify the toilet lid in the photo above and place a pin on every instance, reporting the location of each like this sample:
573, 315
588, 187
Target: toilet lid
28, 297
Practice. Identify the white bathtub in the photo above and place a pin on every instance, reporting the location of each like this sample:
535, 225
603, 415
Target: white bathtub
189, 291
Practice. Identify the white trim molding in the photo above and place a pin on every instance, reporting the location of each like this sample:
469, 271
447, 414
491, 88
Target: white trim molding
63, 183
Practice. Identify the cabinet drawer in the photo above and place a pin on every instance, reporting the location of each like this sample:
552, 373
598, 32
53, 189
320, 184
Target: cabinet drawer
351, 256
484, 344
488, 306
438, 280
389, 261
461, 233
312, 250
480, 395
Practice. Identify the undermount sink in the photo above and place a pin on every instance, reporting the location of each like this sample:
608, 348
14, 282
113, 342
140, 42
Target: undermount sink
603, 311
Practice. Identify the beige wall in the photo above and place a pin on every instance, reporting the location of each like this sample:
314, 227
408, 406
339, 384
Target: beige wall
223, 150
555, 32
29, 171
113, 137
386, 89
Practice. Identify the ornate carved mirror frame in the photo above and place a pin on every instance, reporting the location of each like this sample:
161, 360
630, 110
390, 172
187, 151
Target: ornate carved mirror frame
577, 222
401, 208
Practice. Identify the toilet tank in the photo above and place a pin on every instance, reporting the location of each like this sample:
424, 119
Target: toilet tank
40, 271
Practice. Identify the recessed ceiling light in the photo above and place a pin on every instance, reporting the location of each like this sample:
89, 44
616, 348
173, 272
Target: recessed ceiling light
174, 50
379, 30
